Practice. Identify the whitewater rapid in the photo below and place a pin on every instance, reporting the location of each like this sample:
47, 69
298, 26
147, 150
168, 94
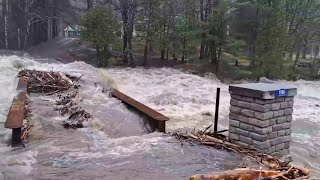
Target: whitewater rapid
189, 101
115, 145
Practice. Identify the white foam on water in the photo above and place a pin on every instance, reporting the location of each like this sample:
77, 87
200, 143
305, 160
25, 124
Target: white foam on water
188, 100
20, 162
99, 104
174, 93
185, 98
119, 147
10, 66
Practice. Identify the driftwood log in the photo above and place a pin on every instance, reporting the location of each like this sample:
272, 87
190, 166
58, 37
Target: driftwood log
294, 172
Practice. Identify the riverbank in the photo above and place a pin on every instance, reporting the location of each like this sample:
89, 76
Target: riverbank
201, 68
231, 69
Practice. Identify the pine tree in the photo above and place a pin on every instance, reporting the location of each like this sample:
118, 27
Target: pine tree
100, 27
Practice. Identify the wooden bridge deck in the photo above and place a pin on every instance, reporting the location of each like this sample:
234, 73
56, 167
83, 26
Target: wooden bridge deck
156, 119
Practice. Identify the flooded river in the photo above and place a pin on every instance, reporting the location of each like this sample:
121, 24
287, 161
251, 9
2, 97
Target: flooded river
115, 144
188, 99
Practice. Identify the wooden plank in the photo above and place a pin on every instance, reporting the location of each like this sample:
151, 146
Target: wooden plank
139, 106
17, 110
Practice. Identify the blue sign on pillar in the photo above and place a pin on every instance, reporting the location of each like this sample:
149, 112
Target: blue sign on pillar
282, 92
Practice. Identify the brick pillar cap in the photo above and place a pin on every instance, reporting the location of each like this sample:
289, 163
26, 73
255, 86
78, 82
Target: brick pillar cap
263, 90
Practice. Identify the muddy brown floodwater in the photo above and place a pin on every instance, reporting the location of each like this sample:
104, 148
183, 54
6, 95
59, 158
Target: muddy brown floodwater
114, 145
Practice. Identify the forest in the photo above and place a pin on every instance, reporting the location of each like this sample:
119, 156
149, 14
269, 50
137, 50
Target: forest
271, 38
25, 23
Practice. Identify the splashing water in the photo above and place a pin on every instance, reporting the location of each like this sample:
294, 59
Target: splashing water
188, 100
115, 144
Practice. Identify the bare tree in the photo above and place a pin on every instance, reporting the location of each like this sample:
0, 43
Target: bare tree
6, 12
28, 22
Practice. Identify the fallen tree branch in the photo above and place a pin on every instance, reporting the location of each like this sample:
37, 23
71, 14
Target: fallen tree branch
294, 172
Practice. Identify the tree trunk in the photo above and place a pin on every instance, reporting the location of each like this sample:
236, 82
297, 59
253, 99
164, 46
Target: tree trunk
27, 24
174, 53
49, 31
174, 57
317, 53
19, 41
201, 50
167, 53
304, 51
145, 54
105, 58
131, 58
219, 52
312, 50
201, 10
98, 55
89, 4
184, 49
131, 18
296, 59
218, 68
162, 53
162, 50
49, 21
6, 23
207, 50
124, 13
254, 38
25, 43
146, 47
213, 53
202, 46
151, 48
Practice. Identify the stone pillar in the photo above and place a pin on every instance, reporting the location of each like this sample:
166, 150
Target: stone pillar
261, 115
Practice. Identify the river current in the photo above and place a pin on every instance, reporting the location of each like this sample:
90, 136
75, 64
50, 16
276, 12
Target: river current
115, 144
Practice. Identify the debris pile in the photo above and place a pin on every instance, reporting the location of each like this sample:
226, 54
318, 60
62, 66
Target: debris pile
65, 87
68, 105
27, 124
279, 168
46, 82
26, 130
77, 119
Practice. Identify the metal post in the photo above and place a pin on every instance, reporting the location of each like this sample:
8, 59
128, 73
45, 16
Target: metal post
16, 137
216, 115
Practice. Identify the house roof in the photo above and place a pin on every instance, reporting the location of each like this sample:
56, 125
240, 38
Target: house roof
73, 28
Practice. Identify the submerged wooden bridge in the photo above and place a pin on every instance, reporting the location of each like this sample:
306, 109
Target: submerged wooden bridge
17, 112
